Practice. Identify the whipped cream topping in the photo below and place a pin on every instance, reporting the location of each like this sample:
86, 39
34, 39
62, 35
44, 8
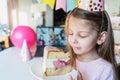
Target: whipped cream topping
60, 63
56, 63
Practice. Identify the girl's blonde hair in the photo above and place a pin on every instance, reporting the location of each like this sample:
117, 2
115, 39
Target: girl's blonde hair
102, 22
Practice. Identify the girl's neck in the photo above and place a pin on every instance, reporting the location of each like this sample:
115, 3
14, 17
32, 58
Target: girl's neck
87, 57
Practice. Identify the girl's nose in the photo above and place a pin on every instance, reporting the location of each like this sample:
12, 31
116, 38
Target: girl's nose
74, 40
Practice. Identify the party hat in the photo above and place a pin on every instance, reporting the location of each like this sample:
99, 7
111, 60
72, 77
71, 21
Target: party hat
91, 5
25, 53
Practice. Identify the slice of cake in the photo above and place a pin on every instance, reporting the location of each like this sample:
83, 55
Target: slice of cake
55, 62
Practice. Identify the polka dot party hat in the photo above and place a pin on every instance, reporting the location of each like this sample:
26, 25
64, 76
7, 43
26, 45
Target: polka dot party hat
91, 5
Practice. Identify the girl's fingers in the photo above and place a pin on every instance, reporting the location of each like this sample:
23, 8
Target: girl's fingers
79, 76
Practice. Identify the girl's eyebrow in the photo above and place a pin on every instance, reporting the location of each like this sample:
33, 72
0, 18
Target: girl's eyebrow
81, 31
84, 31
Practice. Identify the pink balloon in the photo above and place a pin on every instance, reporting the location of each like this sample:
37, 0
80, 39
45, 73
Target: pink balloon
21, 33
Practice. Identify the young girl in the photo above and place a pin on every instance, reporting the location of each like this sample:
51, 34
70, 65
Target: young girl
91, 44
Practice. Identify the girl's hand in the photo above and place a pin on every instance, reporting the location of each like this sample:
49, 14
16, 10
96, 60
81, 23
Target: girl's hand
79, 76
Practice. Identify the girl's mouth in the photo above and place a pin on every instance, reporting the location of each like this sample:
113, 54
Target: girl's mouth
76, 48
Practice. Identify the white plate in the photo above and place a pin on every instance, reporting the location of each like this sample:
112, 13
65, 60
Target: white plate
36, 70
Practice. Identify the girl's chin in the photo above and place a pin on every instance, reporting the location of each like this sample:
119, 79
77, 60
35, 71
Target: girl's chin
77, 52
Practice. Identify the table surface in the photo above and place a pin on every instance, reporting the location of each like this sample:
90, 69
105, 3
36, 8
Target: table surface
12, 67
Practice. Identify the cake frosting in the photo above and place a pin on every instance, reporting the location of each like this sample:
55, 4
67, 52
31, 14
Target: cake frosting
55, 62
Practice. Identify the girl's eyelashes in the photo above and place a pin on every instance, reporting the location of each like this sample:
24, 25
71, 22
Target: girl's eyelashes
82, 35
79, 35
70, 34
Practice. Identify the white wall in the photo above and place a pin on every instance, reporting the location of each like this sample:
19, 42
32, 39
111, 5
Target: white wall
117, 36
3, 12
112, 6
25, 15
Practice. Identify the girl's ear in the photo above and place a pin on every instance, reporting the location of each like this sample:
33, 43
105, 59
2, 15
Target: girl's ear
101, 38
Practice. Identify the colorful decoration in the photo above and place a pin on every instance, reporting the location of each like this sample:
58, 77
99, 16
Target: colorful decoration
21, 33
76, 2
51, 3
60, 4
38, 1
67, 5
91, 5
70, 5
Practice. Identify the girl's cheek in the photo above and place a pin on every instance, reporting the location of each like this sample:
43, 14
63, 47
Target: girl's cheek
70, 39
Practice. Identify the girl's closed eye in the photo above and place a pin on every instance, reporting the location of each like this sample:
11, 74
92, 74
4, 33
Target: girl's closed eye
83, 35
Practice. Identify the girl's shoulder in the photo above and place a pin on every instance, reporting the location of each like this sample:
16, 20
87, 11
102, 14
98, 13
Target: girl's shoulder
104, 62
99, 68
103, 65
98, 62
